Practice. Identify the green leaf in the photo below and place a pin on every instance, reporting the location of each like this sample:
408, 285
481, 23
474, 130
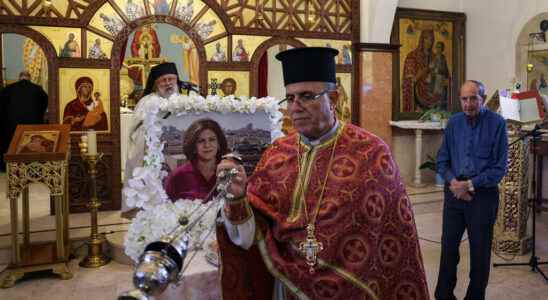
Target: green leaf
428, 165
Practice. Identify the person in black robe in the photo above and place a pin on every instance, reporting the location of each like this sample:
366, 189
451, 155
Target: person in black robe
22, 102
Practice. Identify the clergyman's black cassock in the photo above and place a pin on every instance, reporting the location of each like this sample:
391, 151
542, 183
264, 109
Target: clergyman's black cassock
22, 102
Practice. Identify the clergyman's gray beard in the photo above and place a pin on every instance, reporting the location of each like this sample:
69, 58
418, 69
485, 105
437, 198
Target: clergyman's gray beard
167, 93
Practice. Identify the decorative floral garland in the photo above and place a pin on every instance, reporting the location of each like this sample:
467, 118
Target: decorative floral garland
145, 189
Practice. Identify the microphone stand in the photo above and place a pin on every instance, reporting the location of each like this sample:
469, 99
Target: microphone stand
534, 261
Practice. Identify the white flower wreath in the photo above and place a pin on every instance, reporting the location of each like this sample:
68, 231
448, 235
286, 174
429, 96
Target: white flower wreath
158, 215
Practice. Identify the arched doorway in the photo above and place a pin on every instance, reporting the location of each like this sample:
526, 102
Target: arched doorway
36, 54
532, 50
266, 76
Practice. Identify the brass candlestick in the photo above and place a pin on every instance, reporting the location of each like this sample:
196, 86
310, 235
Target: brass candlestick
95, 257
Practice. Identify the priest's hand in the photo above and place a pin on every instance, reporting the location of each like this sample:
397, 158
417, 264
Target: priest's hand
239, 182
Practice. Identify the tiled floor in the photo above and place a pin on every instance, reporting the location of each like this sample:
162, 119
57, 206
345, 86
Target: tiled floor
109, 281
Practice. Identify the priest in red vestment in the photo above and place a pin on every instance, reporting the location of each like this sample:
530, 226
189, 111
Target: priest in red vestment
325, 208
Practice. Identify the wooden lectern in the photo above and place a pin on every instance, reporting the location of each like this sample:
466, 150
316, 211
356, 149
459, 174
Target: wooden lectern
38, 154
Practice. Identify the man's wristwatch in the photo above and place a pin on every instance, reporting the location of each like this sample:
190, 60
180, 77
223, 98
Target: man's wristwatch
470, 186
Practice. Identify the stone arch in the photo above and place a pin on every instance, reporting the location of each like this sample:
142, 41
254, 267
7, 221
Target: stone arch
258, 54
523, 44
51, 57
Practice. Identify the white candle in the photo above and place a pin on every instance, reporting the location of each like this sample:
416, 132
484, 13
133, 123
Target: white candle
92, 142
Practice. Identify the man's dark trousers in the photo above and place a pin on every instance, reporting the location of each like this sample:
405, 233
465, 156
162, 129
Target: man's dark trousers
478, 218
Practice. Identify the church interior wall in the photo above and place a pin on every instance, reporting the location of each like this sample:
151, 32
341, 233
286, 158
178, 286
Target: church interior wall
275, 78
92, 36
374, 27
496, 45
492, 31
404, 152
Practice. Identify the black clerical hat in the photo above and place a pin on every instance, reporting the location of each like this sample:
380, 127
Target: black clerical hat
308, 64
157, 71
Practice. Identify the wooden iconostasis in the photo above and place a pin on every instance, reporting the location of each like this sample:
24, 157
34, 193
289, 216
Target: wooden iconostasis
109, 46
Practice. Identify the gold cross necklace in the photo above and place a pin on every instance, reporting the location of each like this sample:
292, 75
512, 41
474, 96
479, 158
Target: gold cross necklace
310, 246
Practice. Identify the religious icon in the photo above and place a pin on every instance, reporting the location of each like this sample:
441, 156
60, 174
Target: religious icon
145, 50
229, 86
346, 57
96, 52
430, 61
34, 61
38, 142
161, 7
240, 54
111, 24
185, 12
85, 112
343, 105
205, 29
425, 74
219, 54
191, 61
133, 10
71, 47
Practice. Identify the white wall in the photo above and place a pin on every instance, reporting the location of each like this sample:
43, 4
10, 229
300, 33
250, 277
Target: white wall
494, 39
374, 27
447, 5
492, 30
275, 75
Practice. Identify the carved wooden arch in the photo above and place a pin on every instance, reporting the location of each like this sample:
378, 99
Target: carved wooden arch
258, 54
51, 57
92, 10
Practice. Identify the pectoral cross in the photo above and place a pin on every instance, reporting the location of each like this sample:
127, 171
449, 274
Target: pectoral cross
310, 248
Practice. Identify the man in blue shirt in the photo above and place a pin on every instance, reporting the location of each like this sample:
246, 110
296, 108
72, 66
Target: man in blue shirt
473, 160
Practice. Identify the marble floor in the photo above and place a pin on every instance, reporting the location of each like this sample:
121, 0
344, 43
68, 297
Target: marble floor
109, 281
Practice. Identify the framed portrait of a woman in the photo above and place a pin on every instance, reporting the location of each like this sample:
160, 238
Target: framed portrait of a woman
431, 61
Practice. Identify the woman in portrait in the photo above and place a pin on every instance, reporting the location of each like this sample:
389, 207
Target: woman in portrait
204, 144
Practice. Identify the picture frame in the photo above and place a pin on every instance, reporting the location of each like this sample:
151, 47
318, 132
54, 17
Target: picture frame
428, 79
246, 134
96, 113
39, 142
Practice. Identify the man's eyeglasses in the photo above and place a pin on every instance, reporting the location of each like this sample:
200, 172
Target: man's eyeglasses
470, 98
303, 98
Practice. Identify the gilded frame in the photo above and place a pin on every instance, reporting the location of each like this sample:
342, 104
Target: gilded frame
420, 84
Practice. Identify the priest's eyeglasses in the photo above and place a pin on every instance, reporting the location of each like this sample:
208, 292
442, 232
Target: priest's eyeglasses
303, 97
